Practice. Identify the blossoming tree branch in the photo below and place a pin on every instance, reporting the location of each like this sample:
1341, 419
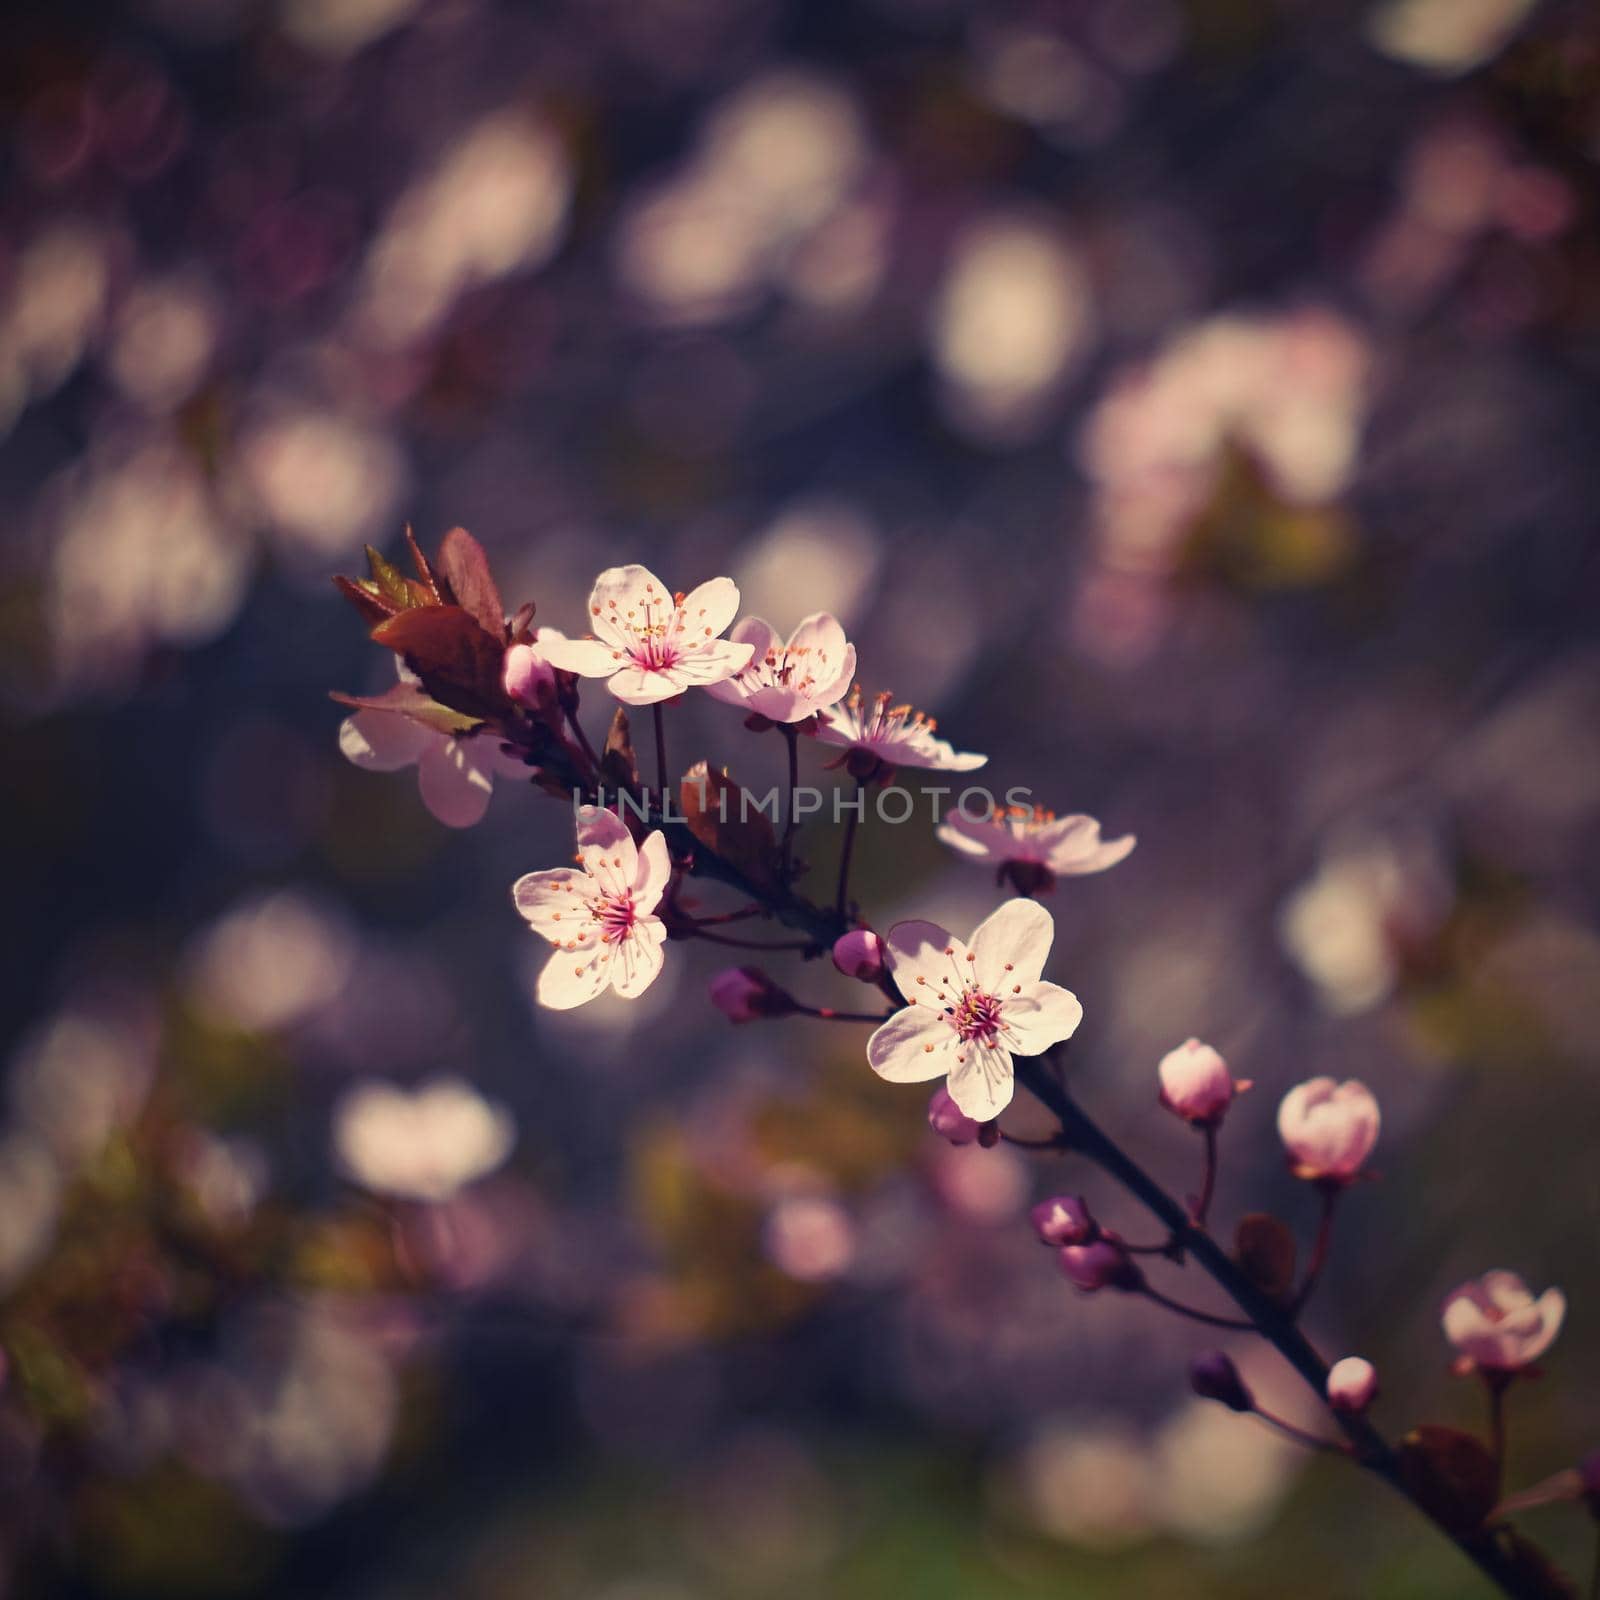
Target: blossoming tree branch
483, 694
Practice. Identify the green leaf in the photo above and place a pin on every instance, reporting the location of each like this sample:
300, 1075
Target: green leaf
408, 700
390, 581
1265, 1251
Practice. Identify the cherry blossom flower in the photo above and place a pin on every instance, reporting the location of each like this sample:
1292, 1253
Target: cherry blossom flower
599, 917
650, 644
747, 994
1044, 846
1196, 1084
885, 736
1352, 1384
790, 682
455, 771
1328, 1128
970, 1009
1495, 1322
421, 1145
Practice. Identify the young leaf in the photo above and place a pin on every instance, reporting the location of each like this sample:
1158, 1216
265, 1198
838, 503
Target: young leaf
1451, 1474
408, 700
459, 664
1264, 1249
424, 571
391, 582
465, 569
619, 766
364, 595
724, 819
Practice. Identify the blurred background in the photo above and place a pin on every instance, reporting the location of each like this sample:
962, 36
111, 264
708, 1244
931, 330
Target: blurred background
1193, 403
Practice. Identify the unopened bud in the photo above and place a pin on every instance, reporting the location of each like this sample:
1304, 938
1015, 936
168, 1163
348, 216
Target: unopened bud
1213, 1376
949, 1121
859, 954
1352, 1384
1063, 1219
1195, 1083
1099, 1264
746, 994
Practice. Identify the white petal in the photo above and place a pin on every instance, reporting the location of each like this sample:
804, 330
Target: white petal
653, 872
1011, 945
383, 741
556, 903
637, 963
711, 663
589, 658
1042, 1015
928, 966
900, 1050
758, 634
607, 848
453, 788
971, 836
571, 977
624, 600
640, 686
709, 609
982, 1084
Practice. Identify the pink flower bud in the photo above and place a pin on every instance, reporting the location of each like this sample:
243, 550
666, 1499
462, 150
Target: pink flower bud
1495, 1322
745, 994
1063, 1219
949, 1121
528, 678
1099, 1265
1213, 1376
1352, 1384
1195, 1083
859, 954
1328, 1128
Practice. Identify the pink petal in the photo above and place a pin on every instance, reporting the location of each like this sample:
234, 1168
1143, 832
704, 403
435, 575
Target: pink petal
1042, 1015
972, 837
589, 658
453, 788
653, 873
899, 1051
1011, 945
982, 1084
571, 977
607, 848
638, 959
383, 741
556, 904
758, 634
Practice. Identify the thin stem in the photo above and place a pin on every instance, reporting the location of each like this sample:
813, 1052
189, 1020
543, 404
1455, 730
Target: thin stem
725, 916
582, 737
1052, 1143
792, 738
661, 753
752, 944
841, 901
1195, 1314
1497, 1384
1208, 1183
1271, 1319
1299, 1435
828, 1014
1319, 1250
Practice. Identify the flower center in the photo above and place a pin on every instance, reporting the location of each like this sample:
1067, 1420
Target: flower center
655, 651
976, 1016
616, 917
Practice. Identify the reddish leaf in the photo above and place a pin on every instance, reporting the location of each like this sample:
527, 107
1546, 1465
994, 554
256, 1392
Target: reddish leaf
465, 568
1264, 1249
723, 818
1451, 1474
364, 595
619, 766
459, 664
424, 572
